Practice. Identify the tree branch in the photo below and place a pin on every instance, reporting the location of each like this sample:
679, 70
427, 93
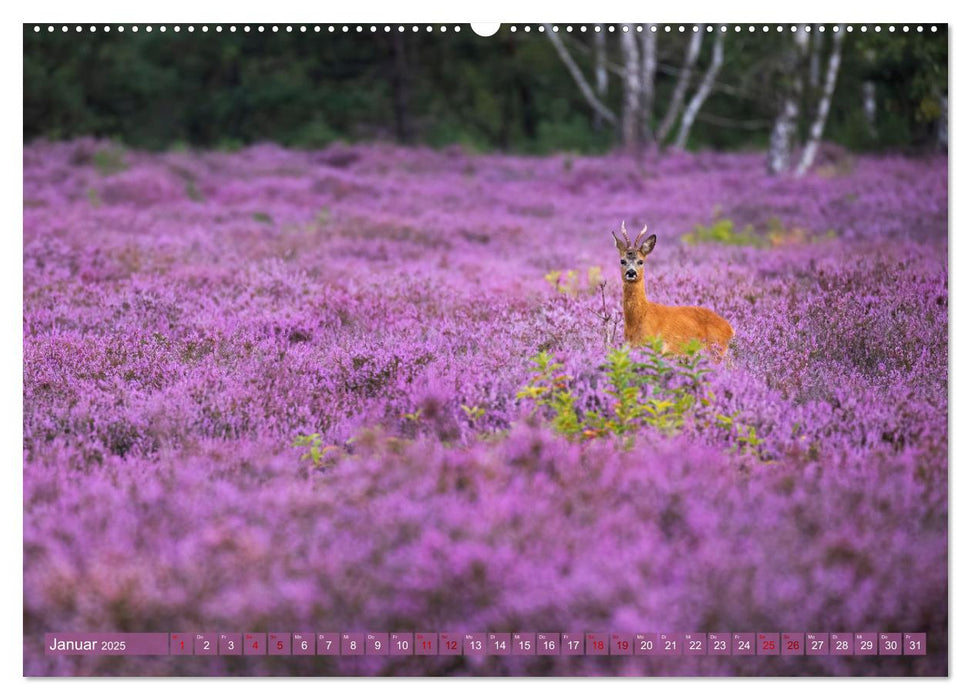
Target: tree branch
598, 106
816, 132
668, 69
677, 99
648, 76
631, 115
718, 57
784, 128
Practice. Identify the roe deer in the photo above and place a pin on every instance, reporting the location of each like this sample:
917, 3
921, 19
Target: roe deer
676, 326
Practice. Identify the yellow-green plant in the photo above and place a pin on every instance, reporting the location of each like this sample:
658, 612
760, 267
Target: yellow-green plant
568, 282
549, 388
655, 389
413, 417
316, 450
473, 413
649, 388
723, 232
775, 233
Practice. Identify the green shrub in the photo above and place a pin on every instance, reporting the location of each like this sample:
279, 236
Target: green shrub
653, 389
549, 388
315, 447
723, 231
774, 234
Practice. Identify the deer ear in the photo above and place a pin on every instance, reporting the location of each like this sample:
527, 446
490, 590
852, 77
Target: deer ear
620, 246
648, 245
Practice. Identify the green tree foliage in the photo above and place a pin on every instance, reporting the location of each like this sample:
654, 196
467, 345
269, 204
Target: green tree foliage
909, 72
509, 91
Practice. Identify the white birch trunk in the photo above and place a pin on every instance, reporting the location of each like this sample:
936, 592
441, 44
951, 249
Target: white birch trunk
598, 107
630, 123
677, 99
600, 63
691, 111
870, 95
822, 111
599, 69
870, 107
648, 76
784, 128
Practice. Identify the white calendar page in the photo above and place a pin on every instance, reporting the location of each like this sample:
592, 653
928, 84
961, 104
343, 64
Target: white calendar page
540, 349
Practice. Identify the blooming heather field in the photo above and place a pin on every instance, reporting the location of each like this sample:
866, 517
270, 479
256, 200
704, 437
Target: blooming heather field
187, 316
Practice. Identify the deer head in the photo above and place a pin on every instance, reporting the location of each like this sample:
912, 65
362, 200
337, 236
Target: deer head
632, 255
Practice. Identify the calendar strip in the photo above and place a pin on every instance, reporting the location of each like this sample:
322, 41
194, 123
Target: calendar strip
661, 644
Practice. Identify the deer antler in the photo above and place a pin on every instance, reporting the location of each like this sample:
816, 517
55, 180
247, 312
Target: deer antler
623, 230
638, 239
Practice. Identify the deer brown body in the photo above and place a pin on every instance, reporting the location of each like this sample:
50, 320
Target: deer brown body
675, 325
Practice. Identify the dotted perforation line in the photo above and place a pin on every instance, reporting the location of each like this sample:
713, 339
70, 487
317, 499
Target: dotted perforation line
247, 28
428, 28
737, 28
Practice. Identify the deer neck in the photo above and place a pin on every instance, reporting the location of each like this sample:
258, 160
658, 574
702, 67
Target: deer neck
635, 300
637, 309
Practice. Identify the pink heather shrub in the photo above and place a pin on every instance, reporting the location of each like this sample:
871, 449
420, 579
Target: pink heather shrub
188, 316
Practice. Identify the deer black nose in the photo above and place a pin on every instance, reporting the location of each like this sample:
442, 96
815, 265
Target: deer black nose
631, 274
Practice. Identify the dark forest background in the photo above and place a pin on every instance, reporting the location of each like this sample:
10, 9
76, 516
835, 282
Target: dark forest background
508, 92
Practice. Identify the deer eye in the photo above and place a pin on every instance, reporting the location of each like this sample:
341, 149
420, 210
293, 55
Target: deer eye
640, 262
622, 261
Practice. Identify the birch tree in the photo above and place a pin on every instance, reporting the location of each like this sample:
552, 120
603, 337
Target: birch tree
688, 119
630, 122
648, 76
822, 111
588, 94
870, 95
784, 128
681, 88
599, 70
870, 107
